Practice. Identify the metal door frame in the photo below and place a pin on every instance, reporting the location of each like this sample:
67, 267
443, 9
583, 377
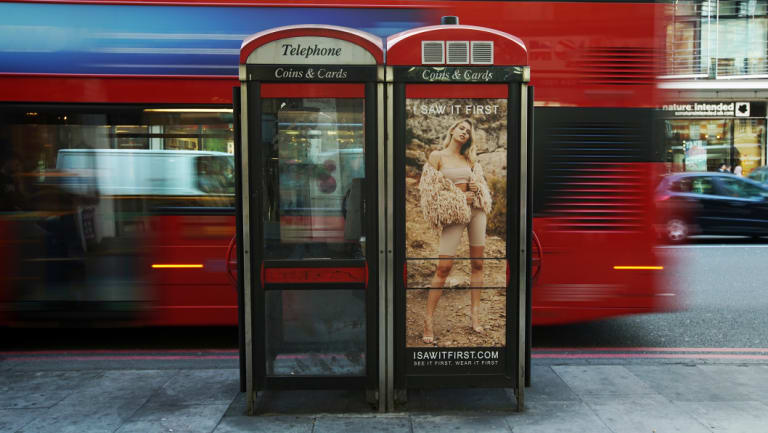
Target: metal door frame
517, 351
251, 235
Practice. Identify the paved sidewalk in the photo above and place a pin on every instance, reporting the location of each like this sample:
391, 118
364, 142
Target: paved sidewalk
568, 395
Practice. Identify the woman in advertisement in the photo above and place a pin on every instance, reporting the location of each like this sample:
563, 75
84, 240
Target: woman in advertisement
454, 197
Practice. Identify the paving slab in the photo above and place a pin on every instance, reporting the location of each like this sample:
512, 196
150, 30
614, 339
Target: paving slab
40, 389
77, 416
688, 383
12, 420
125, 384
459, 424
301, 402
460, 400
750, 380
546, 385
182, 419
198, 387
239, 406
602, 380
266, 424
644, 414
557, 417
367, 424
729, 417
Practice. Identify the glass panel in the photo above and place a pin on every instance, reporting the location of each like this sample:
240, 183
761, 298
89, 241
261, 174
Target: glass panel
51, 142
315, 333
699, 144
455, 212
739, 43
216, 174
681, 48
702, 185
85, 213
748, 140
131, 137
741, 189
315, 174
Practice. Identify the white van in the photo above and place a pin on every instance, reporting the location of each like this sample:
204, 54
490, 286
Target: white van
120, 172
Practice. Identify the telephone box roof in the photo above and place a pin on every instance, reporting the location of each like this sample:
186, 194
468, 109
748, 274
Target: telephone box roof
405, 48
371, 43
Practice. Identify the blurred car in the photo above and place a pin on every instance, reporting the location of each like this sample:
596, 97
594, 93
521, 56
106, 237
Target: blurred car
712, 204
759, 174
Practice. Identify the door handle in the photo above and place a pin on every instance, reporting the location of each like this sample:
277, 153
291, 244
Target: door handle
229, 262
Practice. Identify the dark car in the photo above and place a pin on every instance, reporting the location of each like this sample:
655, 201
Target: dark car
711, 204
759, 174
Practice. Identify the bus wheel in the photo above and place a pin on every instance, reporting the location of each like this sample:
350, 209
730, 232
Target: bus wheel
676, 230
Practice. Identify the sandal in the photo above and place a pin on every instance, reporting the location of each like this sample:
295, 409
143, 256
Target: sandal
428, 337
477, 328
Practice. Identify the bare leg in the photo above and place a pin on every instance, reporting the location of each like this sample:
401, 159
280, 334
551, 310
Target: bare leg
438, 281
476, 280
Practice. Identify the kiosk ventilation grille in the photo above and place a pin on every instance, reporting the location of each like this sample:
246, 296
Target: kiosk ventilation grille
482, 52
458, 52
432, 52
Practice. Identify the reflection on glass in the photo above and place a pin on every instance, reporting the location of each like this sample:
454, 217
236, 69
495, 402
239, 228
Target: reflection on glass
90, 196
738, 42
315, 333
315, 173
698, 144
131, 137
748, 136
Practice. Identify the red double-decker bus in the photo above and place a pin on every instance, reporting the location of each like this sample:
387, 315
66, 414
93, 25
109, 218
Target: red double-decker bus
116, 136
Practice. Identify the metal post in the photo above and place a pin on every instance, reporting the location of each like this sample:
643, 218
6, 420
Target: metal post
523, 194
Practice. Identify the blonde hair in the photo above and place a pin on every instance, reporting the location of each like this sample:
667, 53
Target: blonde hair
469, 148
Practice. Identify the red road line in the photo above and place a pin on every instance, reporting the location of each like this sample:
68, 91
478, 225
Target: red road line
652, 349
645, 355
104, 351
119, 358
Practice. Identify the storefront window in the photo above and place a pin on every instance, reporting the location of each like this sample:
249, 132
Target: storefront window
682, 58
740, 45
748, 142
698, 144
718, 38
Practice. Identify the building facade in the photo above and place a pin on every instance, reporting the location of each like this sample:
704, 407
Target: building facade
716, 85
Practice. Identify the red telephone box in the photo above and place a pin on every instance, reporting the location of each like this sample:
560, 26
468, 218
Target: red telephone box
308, 238
383, 261
460, 105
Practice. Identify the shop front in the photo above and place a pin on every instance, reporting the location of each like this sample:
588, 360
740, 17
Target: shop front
703, 135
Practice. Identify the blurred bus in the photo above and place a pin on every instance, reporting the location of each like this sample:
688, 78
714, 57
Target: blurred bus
138, 78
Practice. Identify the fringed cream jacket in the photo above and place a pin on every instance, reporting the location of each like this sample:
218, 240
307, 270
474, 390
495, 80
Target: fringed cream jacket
443, 203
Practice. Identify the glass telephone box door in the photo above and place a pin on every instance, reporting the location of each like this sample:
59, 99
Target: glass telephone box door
316, 231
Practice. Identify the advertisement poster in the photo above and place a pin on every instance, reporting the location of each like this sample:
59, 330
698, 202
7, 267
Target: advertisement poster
456, 156
695, 156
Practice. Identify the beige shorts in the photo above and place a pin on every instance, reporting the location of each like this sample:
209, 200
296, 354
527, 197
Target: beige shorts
451, 236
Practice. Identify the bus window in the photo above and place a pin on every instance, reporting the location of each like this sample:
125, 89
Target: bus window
215, 174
